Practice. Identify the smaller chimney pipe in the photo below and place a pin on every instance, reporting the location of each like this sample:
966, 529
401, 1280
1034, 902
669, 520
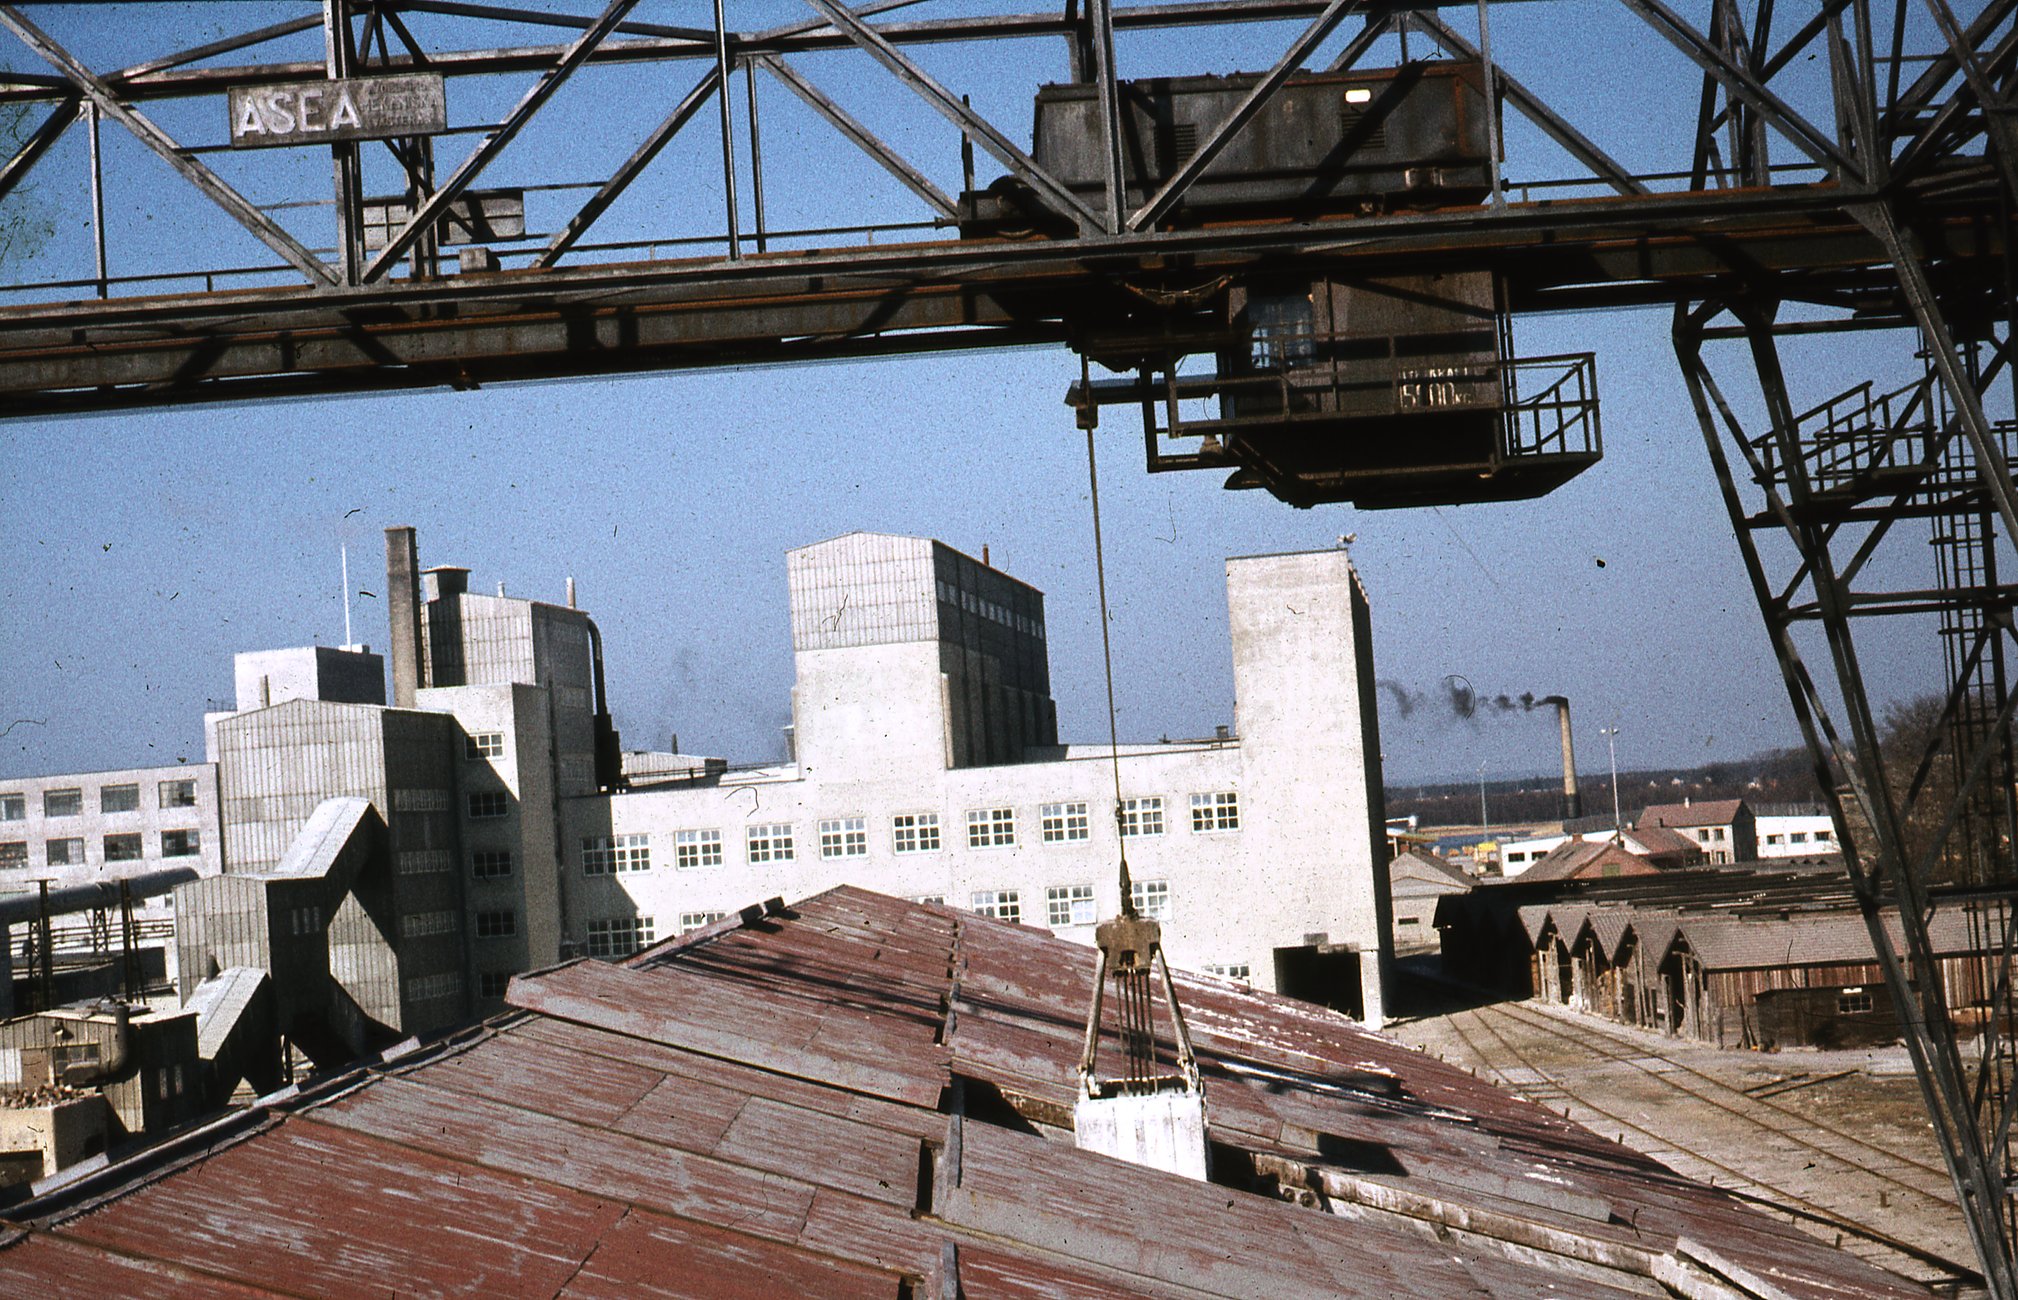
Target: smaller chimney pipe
1573, 802
402, 585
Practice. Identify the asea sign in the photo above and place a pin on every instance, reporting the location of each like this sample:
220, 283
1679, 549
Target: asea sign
323, 112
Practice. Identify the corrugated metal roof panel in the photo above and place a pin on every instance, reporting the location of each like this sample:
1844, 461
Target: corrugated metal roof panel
765, 1110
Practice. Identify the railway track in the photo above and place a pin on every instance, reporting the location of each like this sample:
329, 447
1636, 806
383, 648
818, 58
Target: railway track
1924, 1177
1853, 1228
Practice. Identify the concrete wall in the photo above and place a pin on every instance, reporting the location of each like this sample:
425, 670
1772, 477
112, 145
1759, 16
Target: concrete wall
398, 946
514, 721
1304, 866
317, 672
1303, 681
26, 829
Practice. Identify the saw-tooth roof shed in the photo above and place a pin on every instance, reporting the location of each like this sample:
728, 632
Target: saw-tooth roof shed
859, 1096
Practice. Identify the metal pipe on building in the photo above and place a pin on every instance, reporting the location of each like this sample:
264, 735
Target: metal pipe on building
402, 589
21, 908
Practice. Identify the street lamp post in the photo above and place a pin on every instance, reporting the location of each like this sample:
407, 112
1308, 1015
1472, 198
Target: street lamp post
1611, 735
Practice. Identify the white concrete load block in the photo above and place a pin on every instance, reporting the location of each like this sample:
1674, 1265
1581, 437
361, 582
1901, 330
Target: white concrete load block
1163, 1130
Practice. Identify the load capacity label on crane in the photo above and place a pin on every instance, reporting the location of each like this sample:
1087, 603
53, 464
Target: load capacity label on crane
323, 112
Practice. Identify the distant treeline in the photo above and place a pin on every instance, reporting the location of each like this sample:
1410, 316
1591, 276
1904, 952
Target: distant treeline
1779, 776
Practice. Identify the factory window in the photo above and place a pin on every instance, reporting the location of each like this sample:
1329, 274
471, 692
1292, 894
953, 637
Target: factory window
13, 808
123, 848
1799, 837
424, 862
62, 803
489, 803
991, 828
65, 853
771, 842
1002, 904
493, 983
420, 925
118, 798
429, 988
915, 832
13, 853
1217, 811
844, 837
1824, 837
1152, 898
1062, 823
1142, 816
181, 844
490, 864
695, 920
1237, 970
497, 925
697, 849
619, 938
484, 744
1068, 905
178, 794
1775, 839
605, 855
1852, 1002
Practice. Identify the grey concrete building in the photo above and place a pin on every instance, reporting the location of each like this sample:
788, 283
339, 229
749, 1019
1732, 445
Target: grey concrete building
927, 767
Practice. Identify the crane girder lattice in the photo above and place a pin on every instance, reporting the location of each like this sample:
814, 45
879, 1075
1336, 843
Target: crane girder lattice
1796, 172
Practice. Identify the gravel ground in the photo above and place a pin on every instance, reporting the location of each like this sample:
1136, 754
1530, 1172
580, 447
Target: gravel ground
1839, 1135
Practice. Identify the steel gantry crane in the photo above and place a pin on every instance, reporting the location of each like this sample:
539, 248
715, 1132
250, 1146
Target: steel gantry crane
1305, 276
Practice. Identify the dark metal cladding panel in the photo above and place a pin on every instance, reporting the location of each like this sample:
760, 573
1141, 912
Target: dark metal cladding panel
53, 1268
525, 1072
646, 1255
663, 1128
1146, 1222
730, 1079
824, 1150
879, 1234
345, 1213
596, 1162
687, 1010
987, 1274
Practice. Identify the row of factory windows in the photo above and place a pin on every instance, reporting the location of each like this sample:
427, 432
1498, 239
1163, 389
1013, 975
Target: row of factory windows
498, 923
1801, 837
990, 610
120, 798
912, 832
1064, 905
68, 851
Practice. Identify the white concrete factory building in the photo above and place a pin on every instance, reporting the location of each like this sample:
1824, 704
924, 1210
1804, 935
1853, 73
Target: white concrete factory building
926, 765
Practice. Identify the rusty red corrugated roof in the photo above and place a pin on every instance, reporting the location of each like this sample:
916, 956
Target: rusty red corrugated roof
860, 1096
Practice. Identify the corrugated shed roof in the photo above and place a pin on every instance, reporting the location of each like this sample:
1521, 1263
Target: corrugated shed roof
859, 1096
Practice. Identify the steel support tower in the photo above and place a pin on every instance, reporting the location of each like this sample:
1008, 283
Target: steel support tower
1816, 175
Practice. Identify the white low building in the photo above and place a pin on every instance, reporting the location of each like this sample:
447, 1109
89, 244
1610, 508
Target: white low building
926, 765
1795, 831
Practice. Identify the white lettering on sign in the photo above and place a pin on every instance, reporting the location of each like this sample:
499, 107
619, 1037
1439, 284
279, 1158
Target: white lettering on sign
324, 112
1437, 386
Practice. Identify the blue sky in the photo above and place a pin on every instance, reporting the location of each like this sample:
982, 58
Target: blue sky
139, 552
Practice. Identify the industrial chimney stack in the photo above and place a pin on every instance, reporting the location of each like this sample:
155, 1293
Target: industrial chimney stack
1573, 802
402, 589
